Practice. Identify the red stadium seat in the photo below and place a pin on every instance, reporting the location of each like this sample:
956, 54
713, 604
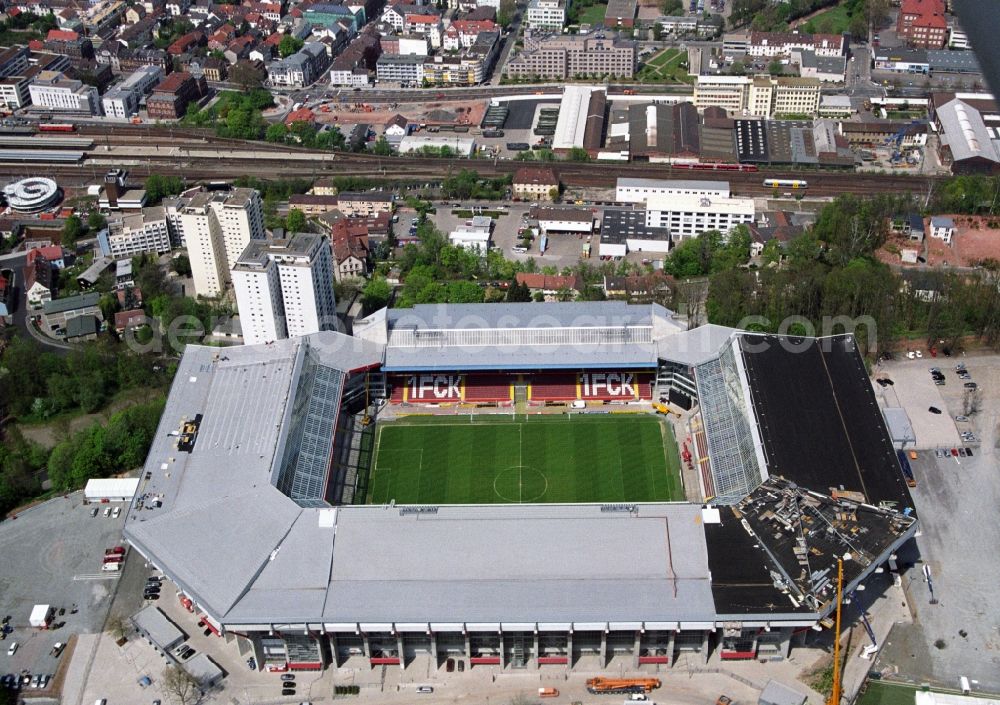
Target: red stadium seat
553, 387
488, 388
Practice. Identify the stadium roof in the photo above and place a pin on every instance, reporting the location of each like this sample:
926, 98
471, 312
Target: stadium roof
519, 336
379, 568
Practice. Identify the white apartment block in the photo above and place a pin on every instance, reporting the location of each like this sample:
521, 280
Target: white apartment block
546, 14
52, 90
758, 96
122, 101
641, 190
217, 227
284, 288
688, 216
139, 233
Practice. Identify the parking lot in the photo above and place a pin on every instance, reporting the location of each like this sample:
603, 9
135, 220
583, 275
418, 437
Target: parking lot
52, 555
956, 499
913, 389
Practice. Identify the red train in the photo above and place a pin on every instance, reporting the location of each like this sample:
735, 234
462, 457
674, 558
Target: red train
56, 127
717, 167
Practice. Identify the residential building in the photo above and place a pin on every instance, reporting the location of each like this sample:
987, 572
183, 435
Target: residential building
406, 45
562, 57
349, 243
535, 183
312, 204
425, 23
329, 15
173, 94
942, 228
546, 14
364, 203
284, 288
922, 23
470, 68
461, 34
136, 234
53, 253
640, 190
301, 68
39, 282
217, 228
54, 91
354, 67
405, 70
551, 286
122, 101
688, 216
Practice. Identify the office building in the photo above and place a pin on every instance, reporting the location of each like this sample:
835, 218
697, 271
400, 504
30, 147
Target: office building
546, 14
688, 215
122, 101
284, 288
563, 57
640, 190
759, 96
54, 91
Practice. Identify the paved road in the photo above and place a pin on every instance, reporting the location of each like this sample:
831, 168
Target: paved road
16, 261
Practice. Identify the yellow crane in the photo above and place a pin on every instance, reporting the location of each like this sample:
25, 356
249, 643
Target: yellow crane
835, 690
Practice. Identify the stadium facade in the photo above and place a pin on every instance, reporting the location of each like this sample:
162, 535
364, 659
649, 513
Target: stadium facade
250, 501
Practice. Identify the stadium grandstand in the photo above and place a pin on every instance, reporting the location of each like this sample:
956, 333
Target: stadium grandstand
283, 432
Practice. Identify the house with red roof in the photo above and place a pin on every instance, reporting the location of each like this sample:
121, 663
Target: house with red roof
462, 34
52, 253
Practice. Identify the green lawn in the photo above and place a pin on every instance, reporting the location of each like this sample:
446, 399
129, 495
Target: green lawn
498, 459
882, 693
838, 17
594, 15
665, 67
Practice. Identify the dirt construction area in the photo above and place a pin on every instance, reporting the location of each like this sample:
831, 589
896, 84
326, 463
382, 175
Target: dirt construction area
441, 113
956, 626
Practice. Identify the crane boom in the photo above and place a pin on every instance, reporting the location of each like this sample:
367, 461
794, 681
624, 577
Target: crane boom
835, 690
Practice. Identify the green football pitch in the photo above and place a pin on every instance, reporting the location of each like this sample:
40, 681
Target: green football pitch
497, 459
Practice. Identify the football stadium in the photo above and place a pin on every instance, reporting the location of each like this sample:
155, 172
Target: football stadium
520, 486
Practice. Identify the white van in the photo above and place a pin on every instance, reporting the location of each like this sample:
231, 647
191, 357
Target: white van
12, 648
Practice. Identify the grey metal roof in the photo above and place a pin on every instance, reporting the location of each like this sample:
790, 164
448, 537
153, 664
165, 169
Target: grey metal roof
679, 184
965, 132
155, 624
72, 303
953, 61
695, 346
518, 315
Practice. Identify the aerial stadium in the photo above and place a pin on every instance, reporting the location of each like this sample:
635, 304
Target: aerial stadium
499, 484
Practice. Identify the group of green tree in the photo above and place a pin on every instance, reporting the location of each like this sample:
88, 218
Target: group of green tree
468, 184
767, 16
233, 114
305, 134
832, 270
159, 186
24, 27
39, 386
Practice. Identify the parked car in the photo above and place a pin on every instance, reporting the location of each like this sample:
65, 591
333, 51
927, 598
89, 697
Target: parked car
961, 452
954, 452
288, 691
93, 512
425, 689
107, 512
12, 649
287, 677
970, 385
961, 418
969, 452
152, 596
116, 512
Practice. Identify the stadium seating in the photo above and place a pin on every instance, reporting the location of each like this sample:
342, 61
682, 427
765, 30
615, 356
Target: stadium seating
398, 385
488, 388
553, 387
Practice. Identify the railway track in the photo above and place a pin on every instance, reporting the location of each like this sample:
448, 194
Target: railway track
234, 158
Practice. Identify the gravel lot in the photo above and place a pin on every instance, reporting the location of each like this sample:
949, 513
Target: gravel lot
52, 555
956, 500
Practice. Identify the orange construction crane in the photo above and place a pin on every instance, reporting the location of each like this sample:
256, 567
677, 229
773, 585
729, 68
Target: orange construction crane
835, 690
622, 685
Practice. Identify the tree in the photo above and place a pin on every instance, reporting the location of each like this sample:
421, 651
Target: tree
775, 68
296, 221
158, 187
118, 627
96, 220
518, 293
71, 231
247, 76
738, 68
657, 31
672, 8
382, 147
578, 154
276, 132
376, 294
289, 45
506, 12
181, 264
178, 683
859, 26
554, 194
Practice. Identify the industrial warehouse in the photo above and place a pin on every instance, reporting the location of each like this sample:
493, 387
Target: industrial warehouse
266, 523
